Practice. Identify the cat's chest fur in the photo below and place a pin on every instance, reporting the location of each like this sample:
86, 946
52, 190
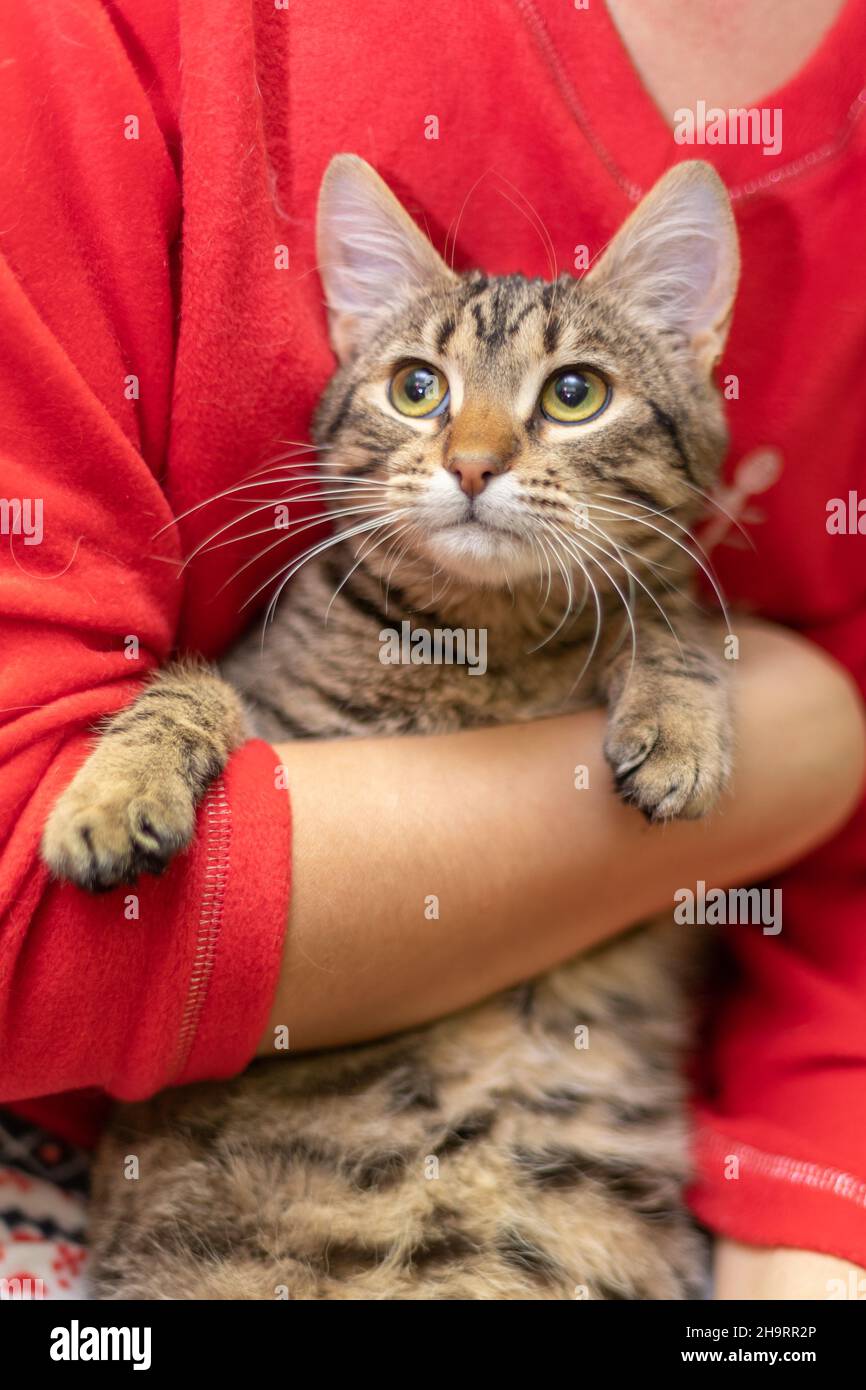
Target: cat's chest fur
340, 665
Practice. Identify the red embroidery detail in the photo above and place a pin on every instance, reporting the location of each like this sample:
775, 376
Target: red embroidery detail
69, 1259
756, 472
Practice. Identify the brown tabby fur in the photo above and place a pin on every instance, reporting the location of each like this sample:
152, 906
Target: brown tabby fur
487, 1156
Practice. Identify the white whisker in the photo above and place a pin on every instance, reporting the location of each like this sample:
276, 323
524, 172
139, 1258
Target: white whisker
599, 620
708, 497
629, 626
569, 598
289, 571
265, 506
696, 559
360, 560
308, 525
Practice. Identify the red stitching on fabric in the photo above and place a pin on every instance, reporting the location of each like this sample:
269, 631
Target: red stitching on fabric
781, 1168
804, 164
216, 811
535, 22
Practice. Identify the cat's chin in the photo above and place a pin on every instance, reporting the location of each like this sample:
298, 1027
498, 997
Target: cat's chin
482, 555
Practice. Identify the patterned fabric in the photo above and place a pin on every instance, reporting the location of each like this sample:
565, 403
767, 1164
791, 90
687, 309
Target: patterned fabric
43, 1210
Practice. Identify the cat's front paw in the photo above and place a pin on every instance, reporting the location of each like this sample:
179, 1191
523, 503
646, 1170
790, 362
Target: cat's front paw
108, 827
669, 765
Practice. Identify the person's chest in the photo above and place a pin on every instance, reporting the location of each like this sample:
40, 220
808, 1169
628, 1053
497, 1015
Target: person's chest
481, 120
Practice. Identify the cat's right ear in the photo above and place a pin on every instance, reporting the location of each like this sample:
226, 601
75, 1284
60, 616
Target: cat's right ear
676, 262
371, 254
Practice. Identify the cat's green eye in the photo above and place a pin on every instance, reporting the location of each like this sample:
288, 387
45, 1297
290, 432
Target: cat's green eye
419, 390
574, 395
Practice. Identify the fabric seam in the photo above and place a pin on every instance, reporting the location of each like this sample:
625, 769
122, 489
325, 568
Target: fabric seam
805, 163
834, 1182
216, 811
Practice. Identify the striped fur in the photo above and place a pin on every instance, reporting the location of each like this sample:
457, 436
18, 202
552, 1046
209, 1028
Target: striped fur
491, 1155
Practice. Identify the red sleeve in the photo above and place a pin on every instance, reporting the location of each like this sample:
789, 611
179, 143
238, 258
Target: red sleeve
172, 980
780, 1151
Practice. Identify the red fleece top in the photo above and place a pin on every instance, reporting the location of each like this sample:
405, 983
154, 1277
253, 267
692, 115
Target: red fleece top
154, 160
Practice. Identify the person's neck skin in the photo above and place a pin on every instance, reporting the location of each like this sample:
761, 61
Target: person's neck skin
727, 55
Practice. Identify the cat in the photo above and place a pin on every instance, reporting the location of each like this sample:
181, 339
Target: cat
524, 457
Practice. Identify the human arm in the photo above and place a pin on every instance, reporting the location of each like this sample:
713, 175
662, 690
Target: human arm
753, 1273
528, 869
125, 992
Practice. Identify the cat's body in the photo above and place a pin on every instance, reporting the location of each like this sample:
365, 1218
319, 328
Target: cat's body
533, 1146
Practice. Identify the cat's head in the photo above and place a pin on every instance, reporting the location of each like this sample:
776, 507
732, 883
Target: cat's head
485, 420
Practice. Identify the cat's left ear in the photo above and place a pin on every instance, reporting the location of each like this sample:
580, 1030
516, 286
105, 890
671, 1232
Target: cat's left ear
676, 260
371, 254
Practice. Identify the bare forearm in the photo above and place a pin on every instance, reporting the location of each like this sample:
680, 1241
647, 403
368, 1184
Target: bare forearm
755, 1273
432, 872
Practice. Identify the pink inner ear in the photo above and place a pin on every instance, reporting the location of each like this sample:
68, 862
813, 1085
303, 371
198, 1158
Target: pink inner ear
372, 255
675, 260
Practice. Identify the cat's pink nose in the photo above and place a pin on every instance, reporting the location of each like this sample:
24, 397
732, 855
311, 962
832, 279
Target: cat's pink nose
474, 471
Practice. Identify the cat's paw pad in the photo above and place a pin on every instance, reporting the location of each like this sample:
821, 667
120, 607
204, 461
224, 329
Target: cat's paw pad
665, 769
105, 832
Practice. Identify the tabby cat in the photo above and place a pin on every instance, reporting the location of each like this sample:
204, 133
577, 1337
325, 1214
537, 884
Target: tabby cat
524, 458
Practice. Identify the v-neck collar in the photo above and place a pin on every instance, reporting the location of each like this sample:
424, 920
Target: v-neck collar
821, 104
